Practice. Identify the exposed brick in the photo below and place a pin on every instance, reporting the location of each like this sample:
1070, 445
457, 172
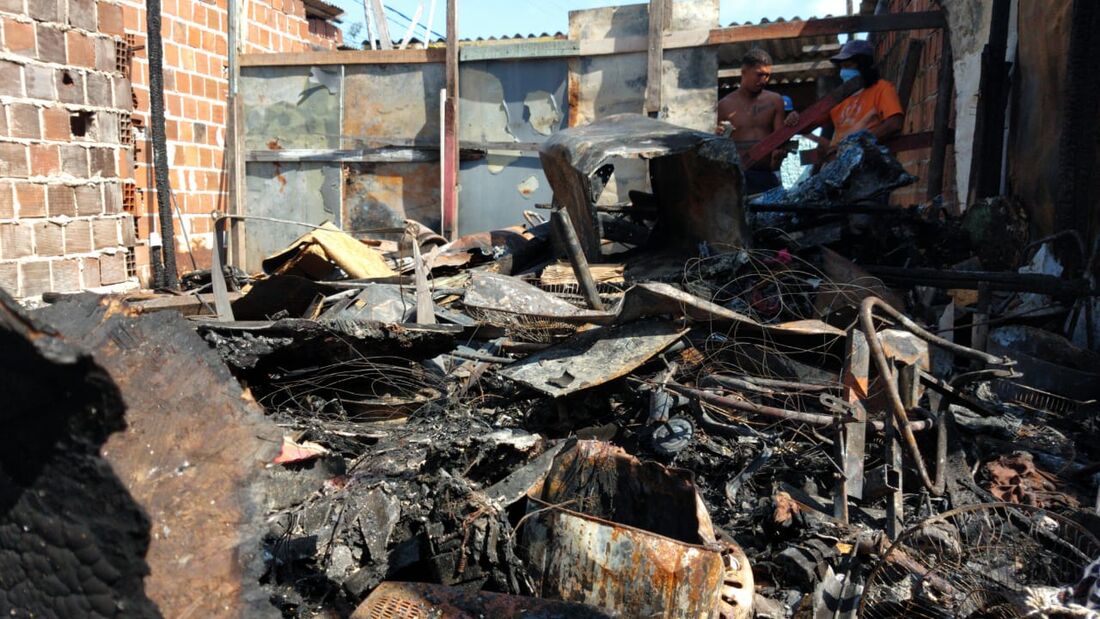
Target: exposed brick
13, 160
112, 268
99, 90
16, 241
60, 201
55, 123
110, 19
82, 14
124, 98
49, 239
70, 86
103, 162
7, 201
40, 82
51, 44
78, 237
129, 234
12, 6
3, 121
81, 49
9, 278
44, 10
89, 200
74, 160
19, 37
11, 79
91, 272
66, 275
45, 160
24, 122
105, 233
30, 199
105, 55
35, 277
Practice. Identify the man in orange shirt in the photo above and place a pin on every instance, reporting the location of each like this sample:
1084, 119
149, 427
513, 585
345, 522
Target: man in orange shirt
875, 108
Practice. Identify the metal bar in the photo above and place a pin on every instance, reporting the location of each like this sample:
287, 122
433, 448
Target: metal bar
568, 235
856, 380
1016, 282
450, 127
350, 57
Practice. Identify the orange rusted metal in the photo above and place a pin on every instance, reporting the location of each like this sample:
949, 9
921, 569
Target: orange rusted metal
414, 600
630, 537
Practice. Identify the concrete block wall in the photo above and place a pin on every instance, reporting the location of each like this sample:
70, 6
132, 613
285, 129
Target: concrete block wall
920, 117
195, 34
63, 99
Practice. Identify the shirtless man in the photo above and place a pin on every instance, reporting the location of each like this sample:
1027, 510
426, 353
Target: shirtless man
754, 114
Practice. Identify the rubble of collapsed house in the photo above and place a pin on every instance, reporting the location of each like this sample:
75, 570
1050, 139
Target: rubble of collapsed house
694, 405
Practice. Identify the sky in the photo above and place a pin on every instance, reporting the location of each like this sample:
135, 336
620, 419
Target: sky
486, 18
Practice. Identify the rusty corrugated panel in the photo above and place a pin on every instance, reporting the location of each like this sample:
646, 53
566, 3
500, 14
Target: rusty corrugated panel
630, 537
416, 600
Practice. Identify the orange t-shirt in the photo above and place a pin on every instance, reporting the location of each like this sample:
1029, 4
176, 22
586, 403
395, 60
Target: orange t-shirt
865, 109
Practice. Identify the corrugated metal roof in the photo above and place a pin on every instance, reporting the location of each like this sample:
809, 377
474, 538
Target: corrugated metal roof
805, 58
323, 10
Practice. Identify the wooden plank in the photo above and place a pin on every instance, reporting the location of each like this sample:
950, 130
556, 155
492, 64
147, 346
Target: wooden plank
347, 57
656, 55
828, 26
824, 66
188, 304
942, 132
809, 118
450, 127
383, 25
908, 73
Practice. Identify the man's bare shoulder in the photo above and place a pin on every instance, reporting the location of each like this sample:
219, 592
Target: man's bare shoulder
770, 96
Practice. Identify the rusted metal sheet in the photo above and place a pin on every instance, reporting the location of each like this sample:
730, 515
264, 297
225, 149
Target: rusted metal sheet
381, 196
291, 107
417, 600
696, 177
593, 358
305, 192
386, 103
192, 456
596, 535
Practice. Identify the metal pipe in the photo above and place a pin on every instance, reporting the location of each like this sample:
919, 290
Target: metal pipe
568, 235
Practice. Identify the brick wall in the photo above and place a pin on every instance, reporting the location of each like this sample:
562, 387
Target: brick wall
920, 115
63, 101
196, 85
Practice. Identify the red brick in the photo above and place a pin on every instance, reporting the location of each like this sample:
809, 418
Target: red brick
13, 160
31, 199
82, 14
112, 198
103, 162
51, 44
60, 201
81, 49
11, 79
112, 268
110, 19
66, 275
9, 278
99, 90
44, 10
45, 160
89, 200
16, 241
49, 239
74, 160
55, 123
35, 277
70, 86
78, 237
24, 121
12, 6
7, 201
90, 266
19, 37
105, 233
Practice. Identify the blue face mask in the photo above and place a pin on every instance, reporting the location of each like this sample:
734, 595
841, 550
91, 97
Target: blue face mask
847, 74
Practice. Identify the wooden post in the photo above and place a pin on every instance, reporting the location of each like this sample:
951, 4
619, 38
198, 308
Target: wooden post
568, 235
908, 73
383, 27
450, 127
941, 132
985, 171
425, 307
657, 18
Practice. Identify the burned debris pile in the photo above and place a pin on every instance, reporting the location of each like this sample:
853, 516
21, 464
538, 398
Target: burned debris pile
535, 423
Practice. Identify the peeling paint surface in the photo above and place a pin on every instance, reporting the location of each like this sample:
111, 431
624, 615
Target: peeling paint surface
490, 201
286, 107
543, 111
306, 192
528, 187
512, 100
497, 160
